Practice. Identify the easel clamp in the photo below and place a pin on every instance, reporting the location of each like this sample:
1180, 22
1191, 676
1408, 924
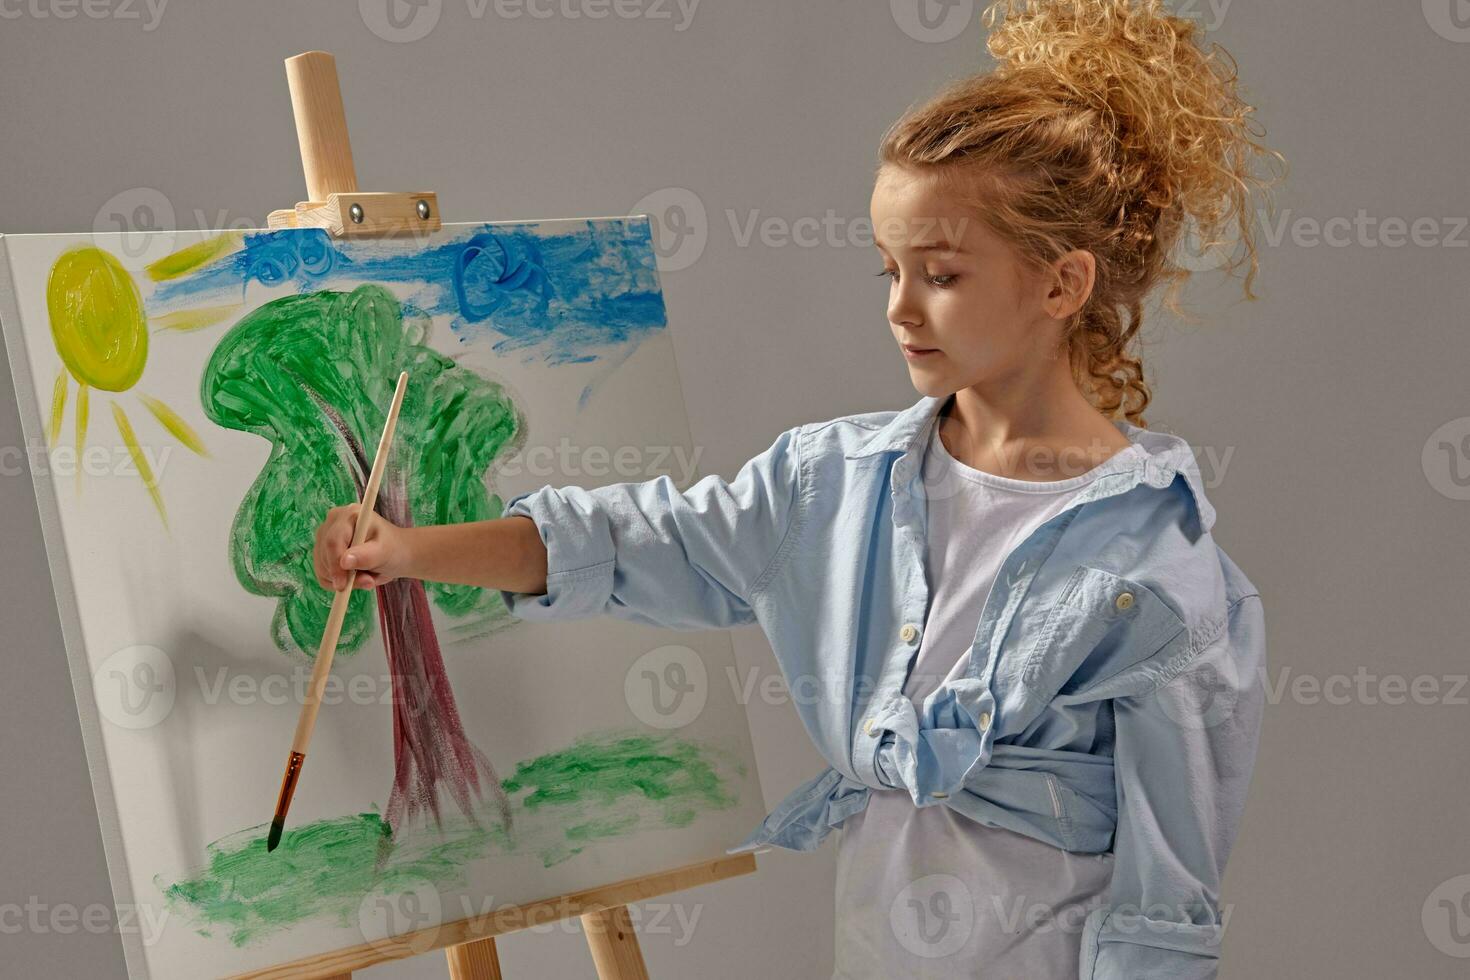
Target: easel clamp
334, 203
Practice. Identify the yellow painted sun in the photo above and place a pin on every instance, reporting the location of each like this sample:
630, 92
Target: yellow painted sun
101, 333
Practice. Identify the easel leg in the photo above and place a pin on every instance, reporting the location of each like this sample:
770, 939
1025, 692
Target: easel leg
474, 961
614, 944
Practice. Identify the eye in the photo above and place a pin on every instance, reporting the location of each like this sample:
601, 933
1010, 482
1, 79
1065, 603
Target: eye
939, 282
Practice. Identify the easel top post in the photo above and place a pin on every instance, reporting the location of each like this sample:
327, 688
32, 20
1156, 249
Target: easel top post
321, 125
334, 202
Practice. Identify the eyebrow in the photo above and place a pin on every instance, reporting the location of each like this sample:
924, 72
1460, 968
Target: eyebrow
936, 247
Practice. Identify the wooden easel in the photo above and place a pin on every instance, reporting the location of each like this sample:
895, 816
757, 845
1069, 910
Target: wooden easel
335, 204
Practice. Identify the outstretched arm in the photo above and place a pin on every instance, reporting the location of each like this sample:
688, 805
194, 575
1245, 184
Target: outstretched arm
505, 553
651, 553
646, 551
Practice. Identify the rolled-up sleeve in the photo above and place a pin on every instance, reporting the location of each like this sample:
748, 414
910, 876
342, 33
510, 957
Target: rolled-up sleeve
1183, 757
651, 553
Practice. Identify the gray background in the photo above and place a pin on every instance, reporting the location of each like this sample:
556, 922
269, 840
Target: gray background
1316, 411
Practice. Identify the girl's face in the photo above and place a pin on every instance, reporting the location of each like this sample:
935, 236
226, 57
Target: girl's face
961, 306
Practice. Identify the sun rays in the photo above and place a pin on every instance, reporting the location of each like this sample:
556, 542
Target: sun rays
101, 334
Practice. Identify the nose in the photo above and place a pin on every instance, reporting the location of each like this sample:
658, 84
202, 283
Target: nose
903, 309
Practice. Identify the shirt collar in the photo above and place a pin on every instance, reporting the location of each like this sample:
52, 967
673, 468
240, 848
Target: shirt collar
1166, 455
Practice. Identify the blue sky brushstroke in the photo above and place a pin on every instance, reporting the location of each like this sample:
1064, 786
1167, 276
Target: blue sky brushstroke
565, 297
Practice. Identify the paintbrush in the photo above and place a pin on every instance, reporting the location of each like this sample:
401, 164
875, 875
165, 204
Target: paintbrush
328, 647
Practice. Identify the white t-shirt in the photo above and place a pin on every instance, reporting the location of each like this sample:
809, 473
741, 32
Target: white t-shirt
929, 893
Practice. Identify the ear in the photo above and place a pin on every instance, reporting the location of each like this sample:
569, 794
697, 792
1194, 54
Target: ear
1072, 278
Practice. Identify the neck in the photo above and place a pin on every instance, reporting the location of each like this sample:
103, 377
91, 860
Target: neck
1052, 434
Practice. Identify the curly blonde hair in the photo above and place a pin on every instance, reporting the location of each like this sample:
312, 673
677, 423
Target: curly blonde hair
1106, 127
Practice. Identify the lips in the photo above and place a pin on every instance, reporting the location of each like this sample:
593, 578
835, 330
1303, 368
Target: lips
910, 350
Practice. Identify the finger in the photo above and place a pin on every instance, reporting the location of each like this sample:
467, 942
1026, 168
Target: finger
319, 563
367, 555
338, 574
362, 580
334, 537
336, 541
342, 528
320, 566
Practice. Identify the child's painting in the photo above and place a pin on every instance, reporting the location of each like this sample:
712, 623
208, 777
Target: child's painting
194, 403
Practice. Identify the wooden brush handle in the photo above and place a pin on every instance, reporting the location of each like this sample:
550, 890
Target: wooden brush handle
333, 632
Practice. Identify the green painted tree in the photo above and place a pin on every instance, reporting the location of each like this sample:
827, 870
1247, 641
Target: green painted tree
314, 374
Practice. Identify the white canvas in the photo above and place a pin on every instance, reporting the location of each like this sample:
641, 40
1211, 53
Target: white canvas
187, 700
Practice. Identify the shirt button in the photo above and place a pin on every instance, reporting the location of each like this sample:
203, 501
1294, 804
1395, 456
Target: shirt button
1125, 600
870, 726
908, 632
984, 720
939, 796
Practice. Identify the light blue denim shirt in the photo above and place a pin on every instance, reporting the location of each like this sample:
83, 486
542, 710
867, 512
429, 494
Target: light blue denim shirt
1115, 686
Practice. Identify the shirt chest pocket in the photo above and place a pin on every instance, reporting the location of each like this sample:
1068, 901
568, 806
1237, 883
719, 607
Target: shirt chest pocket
1100, 624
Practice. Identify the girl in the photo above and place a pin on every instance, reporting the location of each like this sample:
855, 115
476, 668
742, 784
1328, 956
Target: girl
1037, 679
